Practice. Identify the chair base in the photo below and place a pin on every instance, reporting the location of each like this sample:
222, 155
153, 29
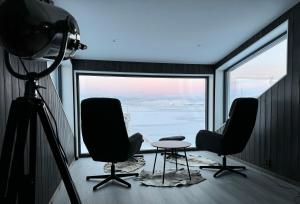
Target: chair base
112, 176
224, 167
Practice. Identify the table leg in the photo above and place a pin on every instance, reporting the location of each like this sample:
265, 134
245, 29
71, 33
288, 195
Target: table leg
175, 157
164, 167
155, 160
187, 163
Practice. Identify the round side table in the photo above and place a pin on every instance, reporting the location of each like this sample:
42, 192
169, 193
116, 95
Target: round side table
174, 146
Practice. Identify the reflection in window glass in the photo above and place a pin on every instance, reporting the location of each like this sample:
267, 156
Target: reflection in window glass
154, 106
254, 77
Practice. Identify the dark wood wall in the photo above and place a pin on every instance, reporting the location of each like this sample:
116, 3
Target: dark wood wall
142, 67
275, 141
48, 177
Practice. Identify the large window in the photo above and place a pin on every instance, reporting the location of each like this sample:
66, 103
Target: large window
258, 73
154, 106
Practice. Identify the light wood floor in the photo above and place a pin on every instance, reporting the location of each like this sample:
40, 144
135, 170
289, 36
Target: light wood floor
228, 189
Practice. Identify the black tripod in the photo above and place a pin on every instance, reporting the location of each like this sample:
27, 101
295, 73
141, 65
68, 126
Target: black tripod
15, 182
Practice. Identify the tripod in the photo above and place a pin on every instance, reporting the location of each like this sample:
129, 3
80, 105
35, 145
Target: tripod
17, 184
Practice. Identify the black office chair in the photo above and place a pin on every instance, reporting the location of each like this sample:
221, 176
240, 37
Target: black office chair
236, 133
105, 136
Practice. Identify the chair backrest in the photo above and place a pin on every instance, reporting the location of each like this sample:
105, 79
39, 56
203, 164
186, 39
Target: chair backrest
240, 124
103, 129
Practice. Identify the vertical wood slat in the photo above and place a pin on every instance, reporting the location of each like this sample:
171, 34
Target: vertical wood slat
48, 177
261, 156
281, 145
274, 130
2, 100
287, 119
267, 145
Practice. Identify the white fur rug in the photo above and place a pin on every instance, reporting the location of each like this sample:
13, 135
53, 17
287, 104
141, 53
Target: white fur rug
127, 166
173, 178
193, 160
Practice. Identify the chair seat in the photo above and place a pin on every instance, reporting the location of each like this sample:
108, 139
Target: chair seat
177, 138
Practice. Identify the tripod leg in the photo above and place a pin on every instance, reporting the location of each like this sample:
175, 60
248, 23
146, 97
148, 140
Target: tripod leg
13, 153
29, 189
8, 146
58, 155
21, 181
16, 183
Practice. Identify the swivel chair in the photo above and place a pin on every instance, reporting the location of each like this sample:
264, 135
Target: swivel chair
236, 133
105, 136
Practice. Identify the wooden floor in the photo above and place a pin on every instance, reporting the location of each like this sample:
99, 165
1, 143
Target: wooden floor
229, 189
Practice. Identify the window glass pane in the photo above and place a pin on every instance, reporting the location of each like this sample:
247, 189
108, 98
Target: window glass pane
154, 106
254, 77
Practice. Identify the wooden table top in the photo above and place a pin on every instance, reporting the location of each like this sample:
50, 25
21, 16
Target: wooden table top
171, 144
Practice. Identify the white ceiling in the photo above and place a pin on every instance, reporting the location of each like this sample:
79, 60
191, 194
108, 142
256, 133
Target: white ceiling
174, 31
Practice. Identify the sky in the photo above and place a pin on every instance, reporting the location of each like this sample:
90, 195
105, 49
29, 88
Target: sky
270, 64
140, 86
258, 74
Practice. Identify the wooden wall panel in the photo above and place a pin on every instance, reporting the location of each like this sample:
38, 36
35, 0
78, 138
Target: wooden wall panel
48, 177
274, 128
2, 101
268, 125
275, 140
141, 67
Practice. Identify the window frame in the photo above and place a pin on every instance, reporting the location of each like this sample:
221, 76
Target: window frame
78, 73
278, 39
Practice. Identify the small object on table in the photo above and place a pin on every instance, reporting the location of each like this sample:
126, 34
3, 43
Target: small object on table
174, 146
176, 138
